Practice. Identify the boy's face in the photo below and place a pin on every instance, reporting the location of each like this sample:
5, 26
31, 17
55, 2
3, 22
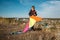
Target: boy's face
32, 8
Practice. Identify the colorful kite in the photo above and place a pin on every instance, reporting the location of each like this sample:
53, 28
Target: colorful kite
32, 21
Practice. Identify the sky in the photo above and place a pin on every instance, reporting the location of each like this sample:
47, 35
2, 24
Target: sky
21, 8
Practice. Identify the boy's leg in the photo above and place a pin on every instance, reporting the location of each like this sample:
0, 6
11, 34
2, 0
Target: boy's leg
18, 32
32, 28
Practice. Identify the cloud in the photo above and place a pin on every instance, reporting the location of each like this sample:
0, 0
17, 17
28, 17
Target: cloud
50, 9
45, 9
30, 2
25, 2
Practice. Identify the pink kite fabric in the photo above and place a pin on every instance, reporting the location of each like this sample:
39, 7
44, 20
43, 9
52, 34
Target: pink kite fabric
26, 28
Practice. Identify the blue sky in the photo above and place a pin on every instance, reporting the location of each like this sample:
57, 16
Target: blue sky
21, 8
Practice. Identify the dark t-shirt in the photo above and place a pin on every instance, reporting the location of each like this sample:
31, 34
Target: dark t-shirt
32, 13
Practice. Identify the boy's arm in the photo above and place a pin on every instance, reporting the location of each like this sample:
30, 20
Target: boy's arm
35, 13
29, 13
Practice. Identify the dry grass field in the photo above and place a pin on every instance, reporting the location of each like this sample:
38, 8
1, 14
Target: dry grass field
8, 25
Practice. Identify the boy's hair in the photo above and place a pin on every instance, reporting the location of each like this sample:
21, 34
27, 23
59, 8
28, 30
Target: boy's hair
33, 7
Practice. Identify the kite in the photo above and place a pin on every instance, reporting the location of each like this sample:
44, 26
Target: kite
31, 22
